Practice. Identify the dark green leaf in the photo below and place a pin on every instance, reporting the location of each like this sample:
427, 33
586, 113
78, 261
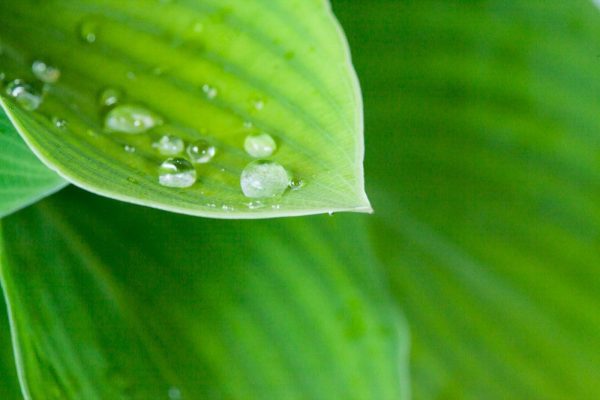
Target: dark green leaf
114, 301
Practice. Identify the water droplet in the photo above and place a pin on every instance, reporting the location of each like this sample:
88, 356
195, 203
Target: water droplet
201, 152
253, 205
174, 393
24, 94
44, 72
225, 207
297, 184
109, 97
264, 179
169, 145
129, 148
260, 145
330, 213
259, 105
88, 31
210, 91
59, 122
177, 173
131, 119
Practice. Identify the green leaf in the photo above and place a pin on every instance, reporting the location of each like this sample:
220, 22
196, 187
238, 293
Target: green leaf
217, 70
484, 144
112, 301
23, 178
9, 385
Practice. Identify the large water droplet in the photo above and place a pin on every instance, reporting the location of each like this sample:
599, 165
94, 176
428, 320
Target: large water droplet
169, 145
201, 152
264, 179
109, 97
24, 94
260, 145
131, 119
177, 173
44, 72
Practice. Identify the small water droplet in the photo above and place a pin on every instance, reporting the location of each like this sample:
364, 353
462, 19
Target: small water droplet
253, 205
264, 179
59, 122
44, 72
110, 97
276, 206
297, 184
201, 152
330, 213
210, 91
129, 148
259, 105
131, 119
174, 393
88, 31
260, 145
24, 94
225, 207
177, 173
169, 145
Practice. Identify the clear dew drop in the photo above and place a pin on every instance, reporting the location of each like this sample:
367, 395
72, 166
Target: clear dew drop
169, 145
24, 94
109, 97
59, 122
260, 145
174, 393
88, 31
297, 184
210, 91
129, 148
201, 152
44, 72
177, 173
131, 119
264, 179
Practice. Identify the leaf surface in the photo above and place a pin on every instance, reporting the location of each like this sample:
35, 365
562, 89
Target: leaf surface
23, 178
209, 70
483, 138
117, 301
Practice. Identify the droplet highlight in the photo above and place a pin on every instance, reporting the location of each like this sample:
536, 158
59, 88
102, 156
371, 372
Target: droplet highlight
177, 173
260, 145
24, 94
110, 97
264, 179
44, 72
201, 152
131, 119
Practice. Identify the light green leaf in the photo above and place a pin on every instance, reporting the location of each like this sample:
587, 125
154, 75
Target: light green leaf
113, 301
23, 178
484, 148
207, 69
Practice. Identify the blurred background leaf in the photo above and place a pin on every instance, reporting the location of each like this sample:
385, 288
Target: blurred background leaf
483, 161
23, 178
114, 301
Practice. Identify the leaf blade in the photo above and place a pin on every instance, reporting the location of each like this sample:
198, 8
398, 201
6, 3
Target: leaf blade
236, 70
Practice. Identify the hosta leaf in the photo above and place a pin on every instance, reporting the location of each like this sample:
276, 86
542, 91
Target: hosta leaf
23, 178
9, 384
114, 301
210, 70
484, 148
